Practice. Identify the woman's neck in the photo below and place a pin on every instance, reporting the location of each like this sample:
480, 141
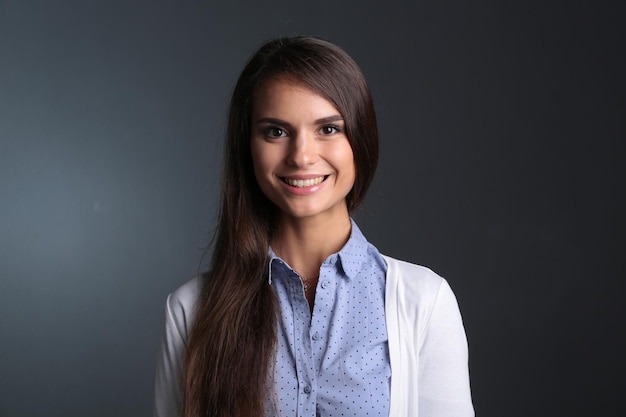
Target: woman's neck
305, 243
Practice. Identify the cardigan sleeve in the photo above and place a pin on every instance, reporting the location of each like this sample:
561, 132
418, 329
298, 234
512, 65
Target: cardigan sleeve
179, 310
443, 377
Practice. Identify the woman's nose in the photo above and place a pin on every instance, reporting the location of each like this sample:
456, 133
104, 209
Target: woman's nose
303, 150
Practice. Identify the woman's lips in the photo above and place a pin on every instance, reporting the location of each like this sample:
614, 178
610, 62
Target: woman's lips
302, 183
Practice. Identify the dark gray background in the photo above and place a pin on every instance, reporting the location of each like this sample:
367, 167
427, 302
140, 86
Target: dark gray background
502, 168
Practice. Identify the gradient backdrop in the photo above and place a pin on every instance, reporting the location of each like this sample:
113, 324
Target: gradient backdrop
502, 168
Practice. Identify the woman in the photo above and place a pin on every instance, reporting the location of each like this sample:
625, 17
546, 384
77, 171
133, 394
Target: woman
299, 314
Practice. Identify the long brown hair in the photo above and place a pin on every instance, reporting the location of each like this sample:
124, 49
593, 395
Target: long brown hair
232, 341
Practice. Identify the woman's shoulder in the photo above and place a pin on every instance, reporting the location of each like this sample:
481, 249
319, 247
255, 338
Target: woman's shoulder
412, 275
419, 293
181, 302
415, 287
187, 294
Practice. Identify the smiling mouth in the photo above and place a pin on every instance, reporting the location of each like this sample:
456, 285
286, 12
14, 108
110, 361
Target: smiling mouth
304, 183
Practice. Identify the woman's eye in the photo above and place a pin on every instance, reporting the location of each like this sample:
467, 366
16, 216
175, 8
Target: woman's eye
274, 132
329, 130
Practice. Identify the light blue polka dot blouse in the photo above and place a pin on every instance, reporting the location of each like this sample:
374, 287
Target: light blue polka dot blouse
335, 362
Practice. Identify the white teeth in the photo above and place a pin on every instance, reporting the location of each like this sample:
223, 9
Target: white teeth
304, 183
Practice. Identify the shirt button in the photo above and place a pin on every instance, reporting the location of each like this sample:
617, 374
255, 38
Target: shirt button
307, 390
316, 336
325, 284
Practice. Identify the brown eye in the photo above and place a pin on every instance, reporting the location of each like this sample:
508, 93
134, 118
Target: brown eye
274, 132
329, 130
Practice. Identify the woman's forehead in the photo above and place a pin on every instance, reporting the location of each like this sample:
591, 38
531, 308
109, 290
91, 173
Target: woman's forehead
287, 95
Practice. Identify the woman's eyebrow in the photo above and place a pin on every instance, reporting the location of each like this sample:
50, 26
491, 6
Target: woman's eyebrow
323, 120
329, 119
272, 120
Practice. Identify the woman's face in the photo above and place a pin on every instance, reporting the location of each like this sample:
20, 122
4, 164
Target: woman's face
302, 159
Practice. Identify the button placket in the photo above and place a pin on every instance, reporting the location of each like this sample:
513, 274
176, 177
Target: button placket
324, 300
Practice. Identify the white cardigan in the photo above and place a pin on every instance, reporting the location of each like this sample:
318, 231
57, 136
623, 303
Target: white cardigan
427, 345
